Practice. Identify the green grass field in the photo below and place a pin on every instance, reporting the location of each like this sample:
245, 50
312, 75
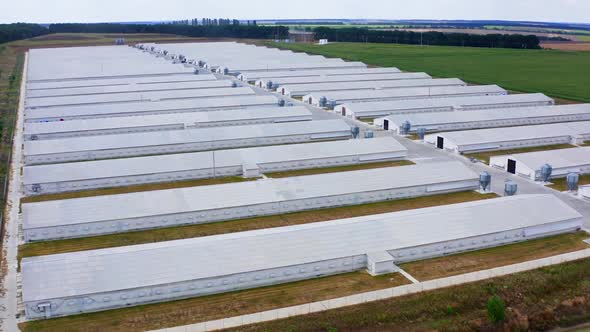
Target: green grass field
561, 74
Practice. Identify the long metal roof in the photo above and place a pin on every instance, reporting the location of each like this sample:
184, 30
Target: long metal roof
407, 93
440, 118
95, 90
159, 138
136, 96
145, 107
311, 87
31, 86
174, 201
186, 119
92, 272
561, 158
346, 78
484, 136
456, 103
255, 75
201, 160
96, 62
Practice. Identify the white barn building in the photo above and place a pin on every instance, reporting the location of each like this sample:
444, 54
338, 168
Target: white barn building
148, 108
363, 96
252, 77
131, 88
119, 81
299, 90
247, 162
114, 98
164, 122
277, 82
493, 118
79, 282
81, 217
470, 141
61, 150
528, 165
431, 105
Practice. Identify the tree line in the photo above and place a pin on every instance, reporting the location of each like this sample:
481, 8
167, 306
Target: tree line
226, 30
427, 38
210, 28
18, 31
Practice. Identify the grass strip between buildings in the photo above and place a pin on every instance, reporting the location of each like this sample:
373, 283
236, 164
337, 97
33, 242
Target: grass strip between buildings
485, 156
336, 169
560, 184
536, 300
497, 256
182, 312
192, 231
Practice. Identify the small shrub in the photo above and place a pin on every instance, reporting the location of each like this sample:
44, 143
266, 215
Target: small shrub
450, 310
496, 309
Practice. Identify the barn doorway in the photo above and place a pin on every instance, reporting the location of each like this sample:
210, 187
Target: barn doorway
511, 166
385, 124
440, 142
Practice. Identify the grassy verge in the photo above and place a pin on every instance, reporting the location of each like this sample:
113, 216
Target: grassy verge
191, 231
337, 169
134, 188
561, 183
498, 256
537, 300
561, 74
160, 315
485, 156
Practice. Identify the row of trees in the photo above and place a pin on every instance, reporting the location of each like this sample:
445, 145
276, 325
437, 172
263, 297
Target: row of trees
426, 38
17, 31
230, 30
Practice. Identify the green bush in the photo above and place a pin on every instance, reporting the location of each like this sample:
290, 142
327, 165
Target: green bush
496, 309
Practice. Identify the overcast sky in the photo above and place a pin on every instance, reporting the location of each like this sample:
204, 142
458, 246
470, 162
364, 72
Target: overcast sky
49, 11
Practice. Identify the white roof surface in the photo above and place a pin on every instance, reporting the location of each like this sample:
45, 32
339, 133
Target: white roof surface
451, 103
407, 93
158, 138
255, 75
179, 105
173, 201
201, 160
391, 84
188, 119
90, 272
96, 62
72, 91
561, 158
136, 96
120, 81
440, 118
493, 135
348, 78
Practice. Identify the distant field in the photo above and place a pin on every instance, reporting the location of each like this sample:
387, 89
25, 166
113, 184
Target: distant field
556, 73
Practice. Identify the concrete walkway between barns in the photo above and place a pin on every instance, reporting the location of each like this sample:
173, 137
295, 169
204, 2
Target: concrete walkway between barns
377, 295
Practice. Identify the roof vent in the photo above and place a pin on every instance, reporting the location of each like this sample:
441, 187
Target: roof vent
573, 180
510, 188
546, 171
